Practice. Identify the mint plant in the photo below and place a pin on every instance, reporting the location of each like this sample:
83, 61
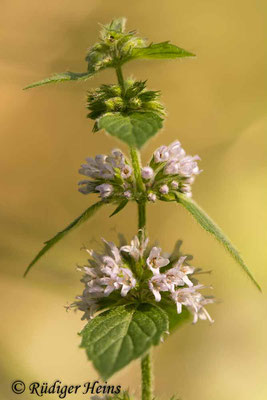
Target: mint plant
133, 293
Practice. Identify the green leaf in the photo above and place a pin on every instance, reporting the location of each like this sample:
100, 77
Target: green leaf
116, 337
74, 224
164, 50
62, 77
134, 129
119, 208
206, 222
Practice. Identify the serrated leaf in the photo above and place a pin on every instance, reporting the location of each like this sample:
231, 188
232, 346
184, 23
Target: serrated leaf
164, 50
116, 337
206, 222
120, 207
134, 129
74, 224
62, 77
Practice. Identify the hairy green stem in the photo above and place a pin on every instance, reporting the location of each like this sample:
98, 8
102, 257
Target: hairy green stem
147, 380
120, 79
141, 215
137, 169
146, 363
140, 189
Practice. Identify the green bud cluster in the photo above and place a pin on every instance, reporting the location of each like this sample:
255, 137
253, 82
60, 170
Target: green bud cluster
109, 99
115, 46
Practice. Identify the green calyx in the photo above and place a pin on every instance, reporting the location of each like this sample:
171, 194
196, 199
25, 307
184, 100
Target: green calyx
110, 99
114, 47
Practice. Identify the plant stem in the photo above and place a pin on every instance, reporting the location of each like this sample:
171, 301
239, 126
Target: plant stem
146, 363
140, 188
137, 169
120, 79
141, 215
147, 380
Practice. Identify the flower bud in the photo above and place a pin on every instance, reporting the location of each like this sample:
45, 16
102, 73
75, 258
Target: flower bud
126, 171
147, 173
127, 194
161, 154
174, 185
135, 102
105, 190
152, 197
164, 189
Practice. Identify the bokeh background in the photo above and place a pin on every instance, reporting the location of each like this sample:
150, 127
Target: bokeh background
216, 105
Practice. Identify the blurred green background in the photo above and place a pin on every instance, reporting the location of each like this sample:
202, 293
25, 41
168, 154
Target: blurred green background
216, 105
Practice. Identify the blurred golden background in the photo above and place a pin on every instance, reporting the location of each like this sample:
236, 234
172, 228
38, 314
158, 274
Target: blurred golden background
216, 105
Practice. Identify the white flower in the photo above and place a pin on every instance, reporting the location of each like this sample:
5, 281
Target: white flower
86, 186
105, 190
147, 173
118, 158
188, 166
185, 188
155, 261
126, 171
177, 275
183, 297
202, 313
190, 180
136, 248
152, 197
88, 305
172, 168
97, 168
175, 150
111, 283
126, 280
158, 284
161, 154
115, 252
194, 301
164, 189
127, 194
174, 185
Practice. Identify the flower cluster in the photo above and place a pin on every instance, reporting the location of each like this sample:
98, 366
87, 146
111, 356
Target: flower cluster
135, 272
170, 170
110, 176
115, 45
108, 98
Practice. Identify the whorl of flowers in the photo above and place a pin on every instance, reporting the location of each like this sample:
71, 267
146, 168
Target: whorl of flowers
113, 45
108, 98
169, 171
134, 272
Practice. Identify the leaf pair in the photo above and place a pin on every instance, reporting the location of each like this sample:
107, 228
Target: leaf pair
118, 336
190, 205
163, 50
